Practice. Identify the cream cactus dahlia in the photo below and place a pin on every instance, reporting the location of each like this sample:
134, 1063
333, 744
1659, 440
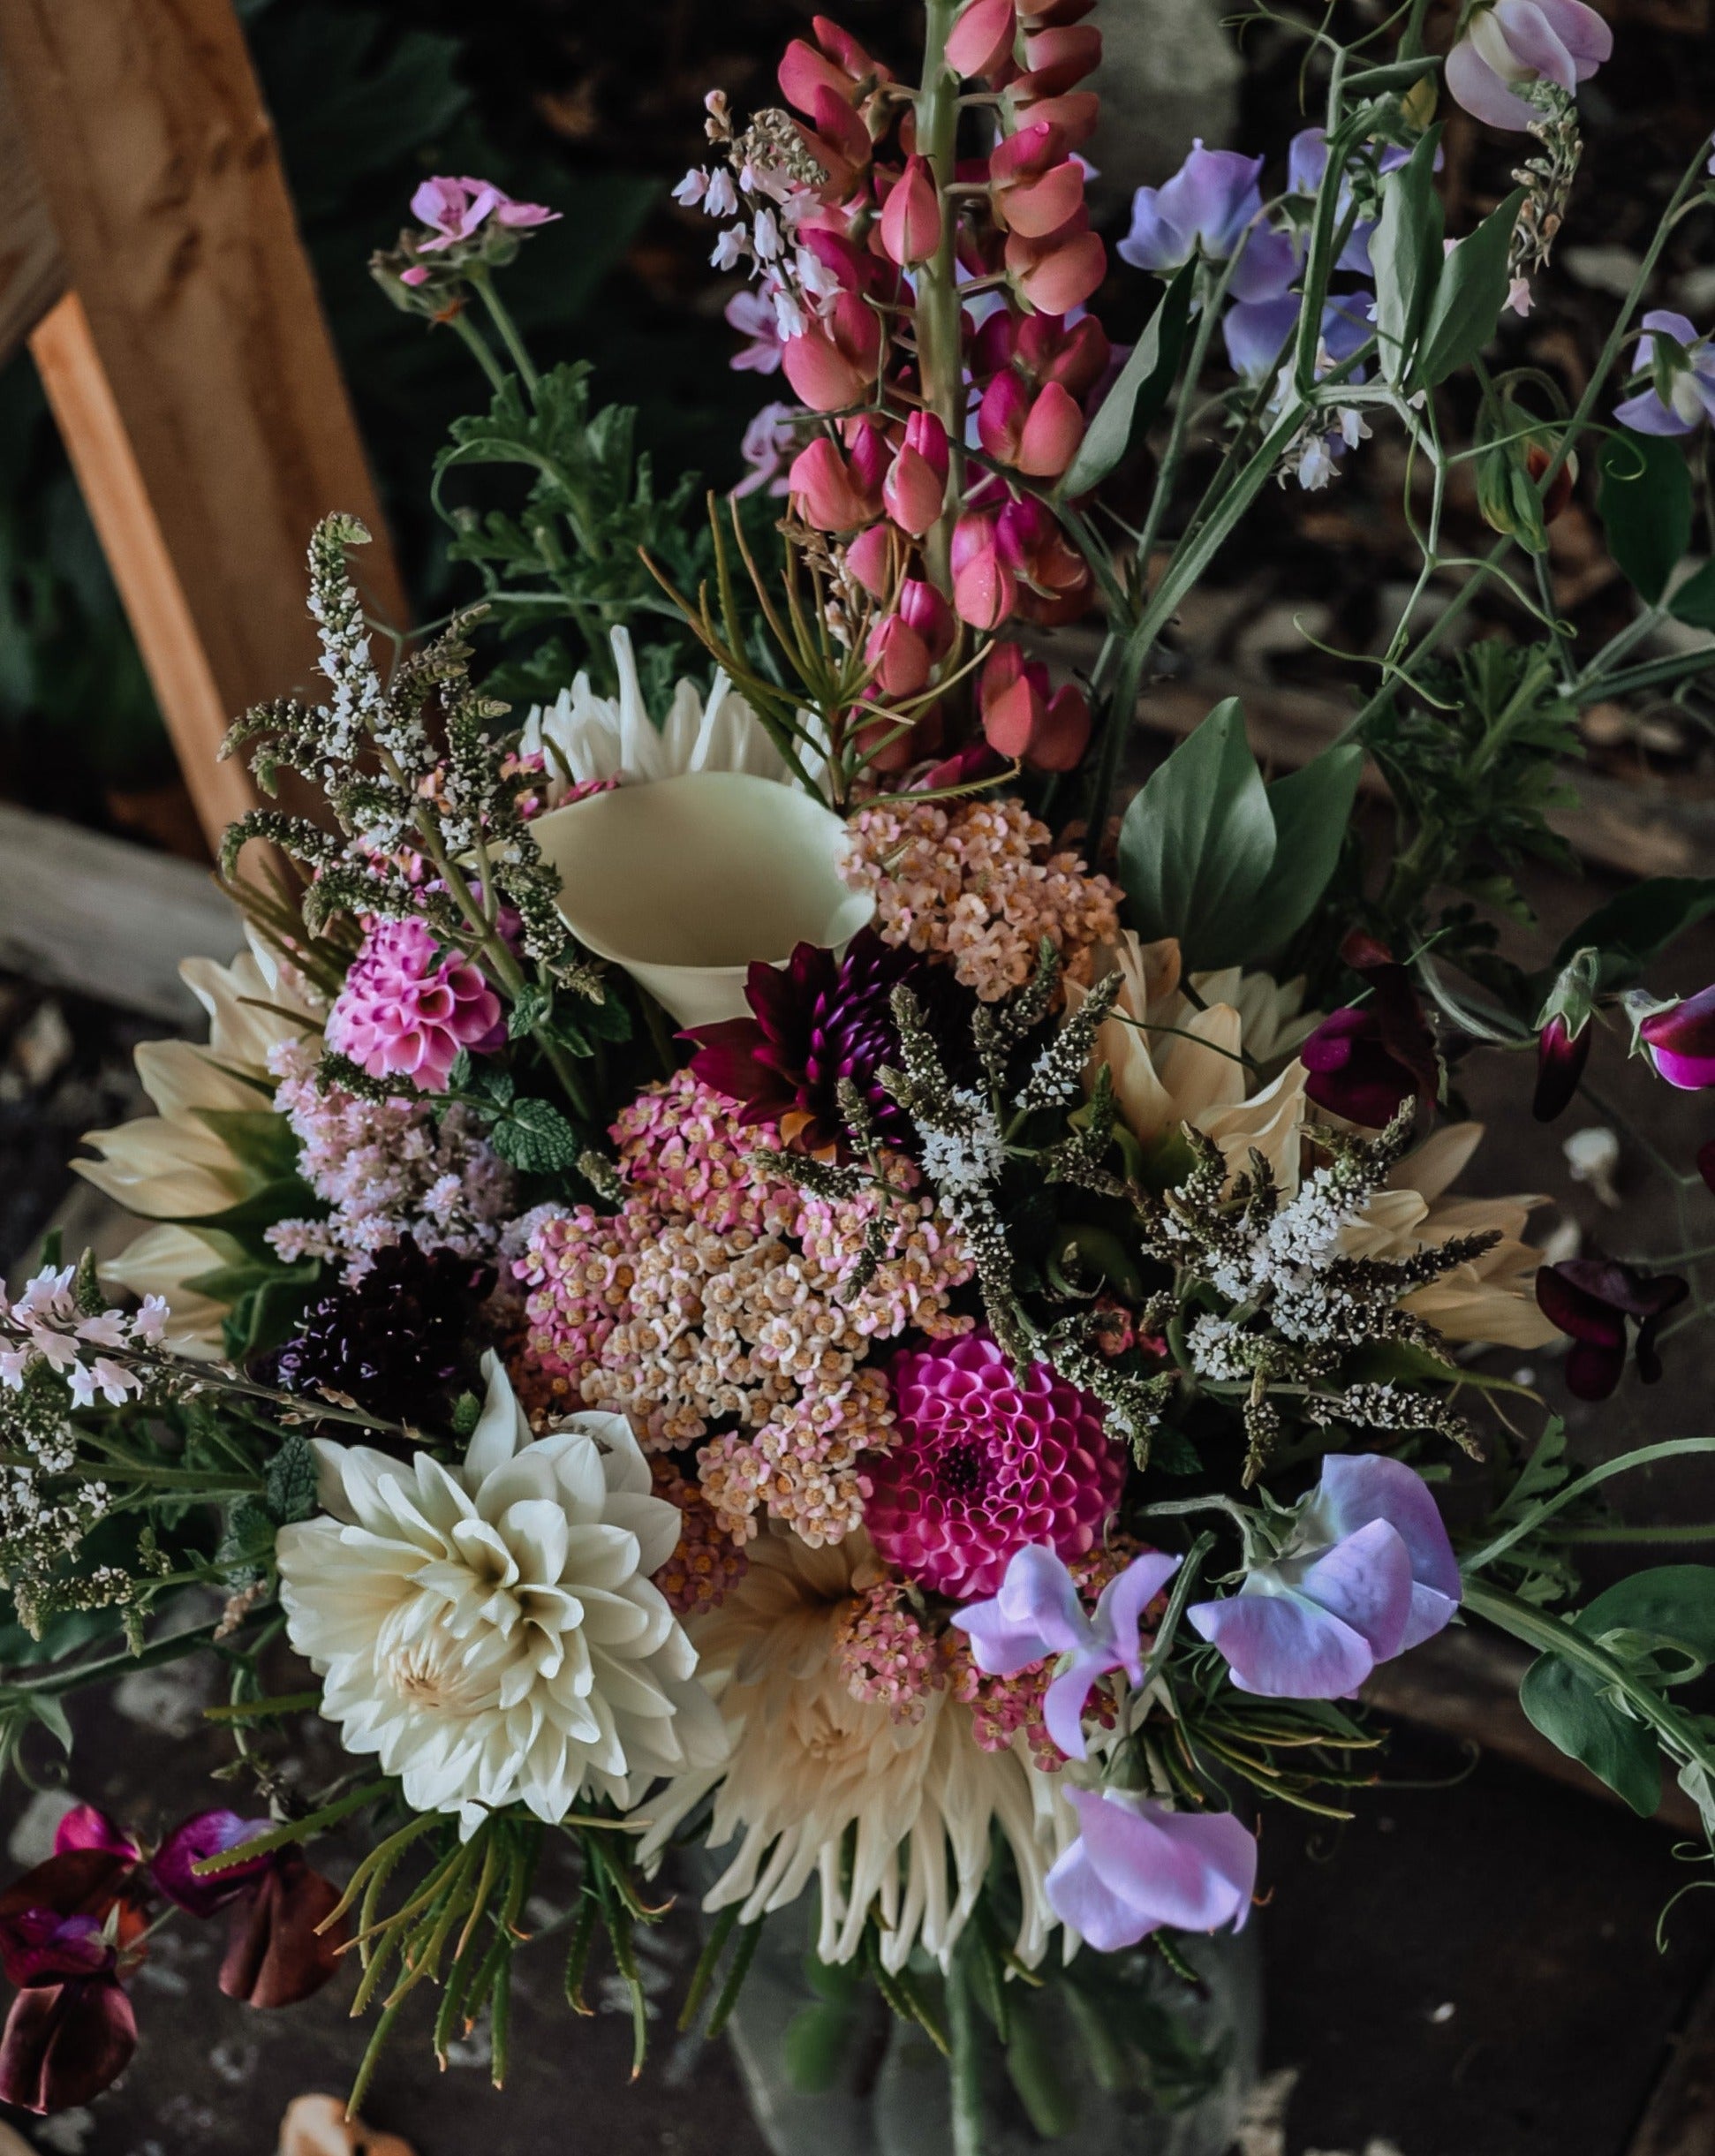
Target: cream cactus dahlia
491, 1633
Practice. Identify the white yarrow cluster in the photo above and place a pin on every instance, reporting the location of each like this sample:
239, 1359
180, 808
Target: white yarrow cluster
963, 1163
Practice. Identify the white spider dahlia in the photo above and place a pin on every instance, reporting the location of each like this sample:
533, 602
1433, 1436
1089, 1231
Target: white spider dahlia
491, 1633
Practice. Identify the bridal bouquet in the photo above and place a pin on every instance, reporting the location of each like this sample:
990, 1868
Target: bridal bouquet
744, 1264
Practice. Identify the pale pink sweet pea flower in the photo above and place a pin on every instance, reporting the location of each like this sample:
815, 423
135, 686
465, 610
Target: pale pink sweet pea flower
1513, 42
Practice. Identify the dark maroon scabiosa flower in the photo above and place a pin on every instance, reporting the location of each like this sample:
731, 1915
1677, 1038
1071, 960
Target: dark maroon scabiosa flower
1367, 1061
1680, 1040
66, 1931
1561, 1056
399, 1343
1591, 1300
275, 1954
815, 1020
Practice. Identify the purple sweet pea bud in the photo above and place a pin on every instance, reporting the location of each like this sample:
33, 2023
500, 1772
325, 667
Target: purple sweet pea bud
84, 1827
1202, 209
1508, 43
65, 2043
1679, 1039
208, 1833
1136, 1865
1563, 1038
1591, 1300
1367, 1573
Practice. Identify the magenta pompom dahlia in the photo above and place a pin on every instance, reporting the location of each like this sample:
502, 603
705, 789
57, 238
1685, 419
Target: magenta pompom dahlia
407, 1008
985, 1463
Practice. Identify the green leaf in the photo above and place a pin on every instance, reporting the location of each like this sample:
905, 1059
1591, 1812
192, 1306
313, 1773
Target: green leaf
52, 1714
1470, 290
1034, 2070
1669, 1601
1633, 929
1405, 250
530, 1007
1135, 402
1312, 811
536, 1137
1694, 603
283, 1197
1644, 504
1573, 1715
815, 2044
1198, 844
291, 1480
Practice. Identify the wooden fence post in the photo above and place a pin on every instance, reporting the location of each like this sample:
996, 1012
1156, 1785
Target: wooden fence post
189, 366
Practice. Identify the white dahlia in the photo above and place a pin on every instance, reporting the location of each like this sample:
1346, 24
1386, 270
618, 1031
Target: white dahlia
822, 1785
491, 1633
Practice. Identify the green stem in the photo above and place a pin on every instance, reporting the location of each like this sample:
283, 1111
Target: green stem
1675, 1448
965, 2068
939, 358
501, 316
56, 1682
477, 344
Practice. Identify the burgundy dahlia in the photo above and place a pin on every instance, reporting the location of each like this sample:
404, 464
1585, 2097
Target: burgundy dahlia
986, 1462
815, 1020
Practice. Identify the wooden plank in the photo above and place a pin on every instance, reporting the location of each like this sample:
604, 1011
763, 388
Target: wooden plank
158, 163
105, 919
32, 271
1680, 2118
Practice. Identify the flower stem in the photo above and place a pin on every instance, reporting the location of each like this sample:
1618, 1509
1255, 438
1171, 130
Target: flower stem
940, 360
501, 317
964, 2067
477, 344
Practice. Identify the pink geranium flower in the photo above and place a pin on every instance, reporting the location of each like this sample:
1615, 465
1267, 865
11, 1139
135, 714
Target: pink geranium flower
454, 208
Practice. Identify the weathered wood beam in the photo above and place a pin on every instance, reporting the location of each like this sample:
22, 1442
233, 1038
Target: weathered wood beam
193, 372
31, 268
1680, 2117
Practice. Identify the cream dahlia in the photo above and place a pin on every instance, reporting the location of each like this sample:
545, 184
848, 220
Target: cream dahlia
894, 1814
491, 1633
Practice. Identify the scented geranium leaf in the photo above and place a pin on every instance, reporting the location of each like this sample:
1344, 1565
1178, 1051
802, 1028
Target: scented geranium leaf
1405, 250
1694, 603
1644, 504
1633, 929
535, 1137
1312, 811
1134, 403
1198, 844
1573, 1715
1469, 293
291, 1480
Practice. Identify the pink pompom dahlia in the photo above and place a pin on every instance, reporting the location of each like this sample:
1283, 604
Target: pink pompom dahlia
985, 1463
407, 1009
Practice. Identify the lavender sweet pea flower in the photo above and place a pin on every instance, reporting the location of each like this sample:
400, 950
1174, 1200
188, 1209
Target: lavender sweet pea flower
1514, 41
1038, 1615
1369, 1572
1691, 393
1307, 160
1202, 209
1137, 1865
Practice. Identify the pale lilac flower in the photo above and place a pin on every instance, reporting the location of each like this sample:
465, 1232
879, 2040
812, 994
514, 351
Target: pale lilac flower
110, 1328
770, 445
48, 1293
454, 208
1137, 1866
721, 199
1520, 297
766, 233
1514, 42
691, 189
788, 315
752, 313
13, 1363
730, 249
1367, 1573
1038, 1615
1205, 210
149, 1325
1691, 390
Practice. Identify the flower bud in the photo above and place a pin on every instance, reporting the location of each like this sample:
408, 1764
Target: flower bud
834, 365
910, 217
1052, 434
981, 41
1001, 417
1075, 113
1011, 697
1041, 205
928, 613
1064, 733
1564, 1036
984, 590
1057, 274
915, 490
900, 657
824, 490
870, 558
1055, 59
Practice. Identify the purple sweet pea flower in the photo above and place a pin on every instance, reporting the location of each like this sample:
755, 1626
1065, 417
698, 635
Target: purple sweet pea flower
208, 1833
453, 209
1366, 1061
1591, 1300
1204, 209
1691, 394
1514, 41
1680, 1041
1038, 1615
276, 1953
1369, 1572
1307, 160
1136, 1865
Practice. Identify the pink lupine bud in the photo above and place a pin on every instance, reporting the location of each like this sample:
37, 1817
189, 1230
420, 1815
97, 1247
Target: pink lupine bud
840, 47
996, 343
980, 43
1055, 59
910, 217
841, 141
1055, 580
1025, 153
1052, 434
1039, 206
1077, 358
1064, 733
824, 490
1074, 112
834, 251
899, 655
925, 433
1056, 274
870, 558
914, 492
1013, 718
928, 613
867, 447
985, 591
834, 364
804, 70
1001, 417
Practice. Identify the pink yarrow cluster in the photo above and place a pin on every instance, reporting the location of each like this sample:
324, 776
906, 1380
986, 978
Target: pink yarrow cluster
715, 1309
407, 1007
384, 1169
974, 882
